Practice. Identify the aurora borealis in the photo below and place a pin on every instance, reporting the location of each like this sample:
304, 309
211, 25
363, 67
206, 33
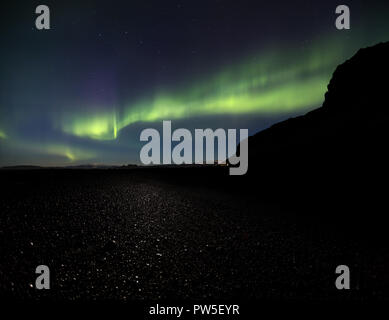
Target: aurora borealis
82, 91
256, 87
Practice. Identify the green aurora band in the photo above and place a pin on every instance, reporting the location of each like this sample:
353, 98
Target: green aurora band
281, 81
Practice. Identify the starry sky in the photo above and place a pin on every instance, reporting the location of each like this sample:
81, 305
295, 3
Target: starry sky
81, 92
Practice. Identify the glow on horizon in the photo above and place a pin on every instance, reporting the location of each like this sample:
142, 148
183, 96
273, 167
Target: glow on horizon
71, 154
3, 135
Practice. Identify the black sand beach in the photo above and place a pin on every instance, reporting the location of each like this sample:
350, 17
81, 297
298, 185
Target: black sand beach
132, 234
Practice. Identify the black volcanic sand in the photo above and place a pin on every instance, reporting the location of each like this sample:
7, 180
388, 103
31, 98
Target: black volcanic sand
123, 234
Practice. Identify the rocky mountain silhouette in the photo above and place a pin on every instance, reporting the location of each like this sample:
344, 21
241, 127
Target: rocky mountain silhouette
355, 104
334, 159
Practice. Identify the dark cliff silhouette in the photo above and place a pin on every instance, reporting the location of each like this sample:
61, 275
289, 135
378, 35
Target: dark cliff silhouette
333, 160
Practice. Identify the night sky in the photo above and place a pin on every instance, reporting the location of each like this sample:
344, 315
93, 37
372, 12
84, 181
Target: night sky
81, 92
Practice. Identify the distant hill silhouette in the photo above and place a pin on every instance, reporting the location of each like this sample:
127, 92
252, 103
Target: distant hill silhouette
333, 159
